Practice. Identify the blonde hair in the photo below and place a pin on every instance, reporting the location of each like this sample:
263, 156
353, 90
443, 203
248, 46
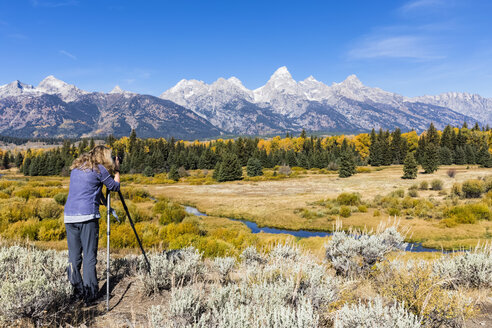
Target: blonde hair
91, 160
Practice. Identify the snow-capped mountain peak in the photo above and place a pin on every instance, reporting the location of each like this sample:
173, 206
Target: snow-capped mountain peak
281, 73
315, 90
310, 79
281, 79
231, 85
282, 104
469, 104
352, 81
204, 98
279, 86
16, 88
118, 90
52, 85
234, 80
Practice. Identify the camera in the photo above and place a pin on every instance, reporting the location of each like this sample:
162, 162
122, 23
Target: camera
120, 159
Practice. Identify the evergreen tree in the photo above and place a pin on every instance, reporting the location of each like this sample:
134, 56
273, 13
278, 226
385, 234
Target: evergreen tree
264, 159
430, 160
445, 156
303, 134
82, 146
461, 139
26, 166
397, 143
217, 168
254, 168
386, 155
459, 156
303, 161
34, 167
290, 158
429, 150
173, 173
5, 161
419, 153
347, 162
92, 144
372, 149
133, 141
19, 159
483, 156
230, 168
240, 151
447, 138
470, 154
148, 172
59, 164
110, 140
207, 159
432, 136
410, 167
317, 160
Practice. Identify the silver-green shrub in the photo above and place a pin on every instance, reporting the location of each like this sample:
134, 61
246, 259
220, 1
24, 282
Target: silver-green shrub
354, 253
251, 256
34, 284
285, 289
224, 266
375, 314
168, 271
186, 305
469, 269
257, 305
281, 252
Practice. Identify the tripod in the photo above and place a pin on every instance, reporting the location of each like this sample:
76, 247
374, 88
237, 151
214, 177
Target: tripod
108, 232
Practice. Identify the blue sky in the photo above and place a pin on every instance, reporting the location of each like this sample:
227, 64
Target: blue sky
411, 47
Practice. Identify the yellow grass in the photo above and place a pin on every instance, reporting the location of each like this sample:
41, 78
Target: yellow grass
274, 203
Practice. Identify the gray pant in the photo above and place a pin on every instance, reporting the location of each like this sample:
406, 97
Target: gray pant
82, 238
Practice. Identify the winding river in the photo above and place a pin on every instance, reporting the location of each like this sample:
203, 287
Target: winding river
253, 226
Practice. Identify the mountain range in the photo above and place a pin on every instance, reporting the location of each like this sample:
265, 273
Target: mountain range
193, 109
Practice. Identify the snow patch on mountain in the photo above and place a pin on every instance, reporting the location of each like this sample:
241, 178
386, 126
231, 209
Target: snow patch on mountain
17, 88
207, 99
118, 90
67, 92
282, 104
473, 105
224, 101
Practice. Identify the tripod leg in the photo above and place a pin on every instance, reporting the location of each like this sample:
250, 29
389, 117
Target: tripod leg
134, 230
108, 204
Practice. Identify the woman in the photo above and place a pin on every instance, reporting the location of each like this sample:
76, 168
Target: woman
89, 172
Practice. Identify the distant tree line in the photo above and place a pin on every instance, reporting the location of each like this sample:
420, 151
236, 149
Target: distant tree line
21, 141
343, 153
159, 155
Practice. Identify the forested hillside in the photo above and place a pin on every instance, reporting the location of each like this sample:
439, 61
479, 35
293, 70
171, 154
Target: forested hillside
153, 156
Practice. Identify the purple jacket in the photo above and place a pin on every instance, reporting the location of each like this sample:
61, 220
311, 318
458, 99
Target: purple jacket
85, 192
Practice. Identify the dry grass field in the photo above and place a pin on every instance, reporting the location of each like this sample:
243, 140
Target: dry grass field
301, 201
296, 203
278, 203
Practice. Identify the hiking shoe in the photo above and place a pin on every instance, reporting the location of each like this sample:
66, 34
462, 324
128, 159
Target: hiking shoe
94, 299
77, 296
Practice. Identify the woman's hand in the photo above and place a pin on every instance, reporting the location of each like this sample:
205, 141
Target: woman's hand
117, 169
117, 164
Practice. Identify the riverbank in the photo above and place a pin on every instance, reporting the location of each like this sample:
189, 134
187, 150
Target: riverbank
294, 204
